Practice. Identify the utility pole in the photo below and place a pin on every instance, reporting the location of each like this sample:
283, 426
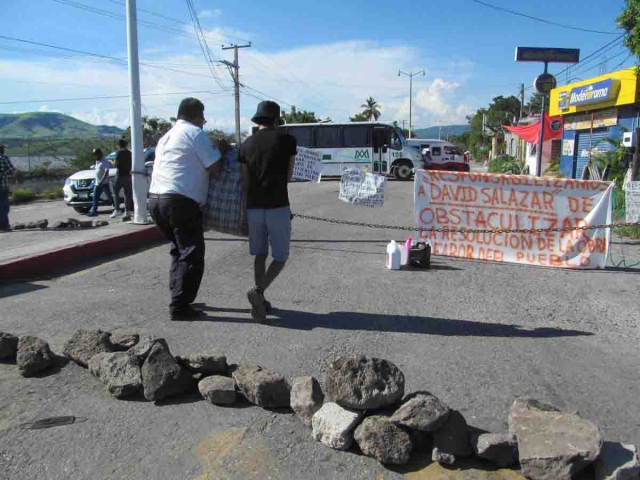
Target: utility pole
411, 75
139, 179
635, 166
234, 70
521, 101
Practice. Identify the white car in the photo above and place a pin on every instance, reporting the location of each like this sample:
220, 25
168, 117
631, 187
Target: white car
78, 188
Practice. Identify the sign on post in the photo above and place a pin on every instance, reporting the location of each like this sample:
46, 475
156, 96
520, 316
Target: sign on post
360, 188
499, 204
308, 165
547, 55
632, 195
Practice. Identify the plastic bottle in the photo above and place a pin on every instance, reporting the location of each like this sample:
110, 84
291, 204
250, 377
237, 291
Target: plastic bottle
404, 249
394, 256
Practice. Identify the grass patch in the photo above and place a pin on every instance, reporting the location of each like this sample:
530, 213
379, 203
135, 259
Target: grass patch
22, 195
52, 193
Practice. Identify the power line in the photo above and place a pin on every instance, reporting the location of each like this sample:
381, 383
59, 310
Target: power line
622, 63
118, 2
105, 97
265, 95
542, 20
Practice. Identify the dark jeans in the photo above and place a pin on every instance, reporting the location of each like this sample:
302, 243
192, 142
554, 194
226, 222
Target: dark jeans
179, 219
120, 183
97, 193
4, 209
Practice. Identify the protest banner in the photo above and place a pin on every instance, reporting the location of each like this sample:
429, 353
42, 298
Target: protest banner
308, 165
360, 188
632, 194
499, 203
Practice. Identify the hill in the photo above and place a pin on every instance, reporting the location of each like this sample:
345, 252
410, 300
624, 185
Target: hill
443, 130
48, 124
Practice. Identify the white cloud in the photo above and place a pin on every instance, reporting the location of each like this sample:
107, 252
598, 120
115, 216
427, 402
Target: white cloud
102, 117
215, 13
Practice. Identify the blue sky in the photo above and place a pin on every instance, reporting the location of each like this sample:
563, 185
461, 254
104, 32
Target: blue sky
321, 56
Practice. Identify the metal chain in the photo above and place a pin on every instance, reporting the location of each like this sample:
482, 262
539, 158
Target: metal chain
462, 230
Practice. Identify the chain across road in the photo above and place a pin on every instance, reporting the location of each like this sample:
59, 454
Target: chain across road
462, 230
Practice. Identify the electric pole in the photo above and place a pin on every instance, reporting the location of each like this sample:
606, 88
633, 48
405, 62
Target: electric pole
234, 70
410, 75
521, 101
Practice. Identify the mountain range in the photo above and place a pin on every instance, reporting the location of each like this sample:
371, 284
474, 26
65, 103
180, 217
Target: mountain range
48, 124
442, 130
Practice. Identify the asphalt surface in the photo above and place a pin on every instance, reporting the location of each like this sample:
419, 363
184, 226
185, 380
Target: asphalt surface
476, 334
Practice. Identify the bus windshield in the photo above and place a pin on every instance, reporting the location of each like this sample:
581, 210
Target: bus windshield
403, 140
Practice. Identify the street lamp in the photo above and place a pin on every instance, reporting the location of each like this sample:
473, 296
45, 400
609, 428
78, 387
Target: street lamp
411, 75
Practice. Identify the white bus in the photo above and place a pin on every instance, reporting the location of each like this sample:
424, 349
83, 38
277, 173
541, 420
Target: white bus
378, 147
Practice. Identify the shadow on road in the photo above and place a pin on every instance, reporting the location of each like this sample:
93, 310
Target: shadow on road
11, 289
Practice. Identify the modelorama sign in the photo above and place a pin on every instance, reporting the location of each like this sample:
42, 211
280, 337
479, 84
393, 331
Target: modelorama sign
593, 93
480, 201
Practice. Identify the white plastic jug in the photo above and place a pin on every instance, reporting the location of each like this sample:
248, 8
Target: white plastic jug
394, 256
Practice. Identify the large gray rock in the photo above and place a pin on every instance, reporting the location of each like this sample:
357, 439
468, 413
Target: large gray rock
8, 346
262, 386
84, 344
142, 349
552, 445
421, 411
161, 375
377, 437
119, 372
333, 425
218, 390
442, 458
498, 448
363, 383
123, 341
208, 364
617, 462
34, 356
453, 436
42, 223
306, 398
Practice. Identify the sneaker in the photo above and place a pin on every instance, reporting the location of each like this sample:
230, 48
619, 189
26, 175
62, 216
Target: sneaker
91, 214
267, 306
116, 213
256, 299
187, 313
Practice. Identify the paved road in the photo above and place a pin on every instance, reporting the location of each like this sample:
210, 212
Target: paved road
475, 334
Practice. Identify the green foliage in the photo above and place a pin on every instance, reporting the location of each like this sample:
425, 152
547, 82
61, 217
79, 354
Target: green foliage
49, 124
445, 130
153, 128
553, 170
298, 116
619, 203
371, 109
506, 164
361, 117
22, 195
83, 158
52, 193
534, 107
616, 159
462, 141
628, 21
216, 134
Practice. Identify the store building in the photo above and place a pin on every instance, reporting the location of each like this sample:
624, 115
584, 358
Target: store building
594, 111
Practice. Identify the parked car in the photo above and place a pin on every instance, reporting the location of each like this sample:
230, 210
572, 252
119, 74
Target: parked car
444, 155
78, 188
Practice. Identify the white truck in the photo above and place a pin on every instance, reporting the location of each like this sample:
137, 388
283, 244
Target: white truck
444, 155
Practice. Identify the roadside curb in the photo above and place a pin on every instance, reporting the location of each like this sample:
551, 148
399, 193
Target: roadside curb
45, 263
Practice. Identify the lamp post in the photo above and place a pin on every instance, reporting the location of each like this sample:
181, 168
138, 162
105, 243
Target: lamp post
411, 75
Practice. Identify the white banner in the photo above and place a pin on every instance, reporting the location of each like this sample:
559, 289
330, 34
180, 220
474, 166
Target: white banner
308, 165
482, 201
360, 188
632, 195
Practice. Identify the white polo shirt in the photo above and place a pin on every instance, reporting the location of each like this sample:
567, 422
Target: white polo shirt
183, 155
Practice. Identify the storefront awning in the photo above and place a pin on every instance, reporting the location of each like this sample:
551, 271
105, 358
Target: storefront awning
530, 133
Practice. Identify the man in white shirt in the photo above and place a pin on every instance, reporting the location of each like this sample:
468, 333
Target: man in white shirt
178, 191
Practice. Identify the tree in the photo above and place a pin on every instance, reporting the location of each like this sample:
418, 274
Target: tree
153, 128
302, 116
359, 117
534, 107
371, 109
628, 21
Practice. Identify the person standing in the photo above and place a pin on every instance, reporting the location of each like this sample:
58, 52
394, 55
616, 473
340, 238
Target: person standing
122, 163
178, 191
267, 159
101, 183
7, 170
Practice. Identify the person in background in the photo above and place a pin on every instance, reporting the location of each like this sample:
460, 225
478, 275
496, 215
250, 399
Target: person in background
267, 159
178, 191
7, 170
122, 163
101, 183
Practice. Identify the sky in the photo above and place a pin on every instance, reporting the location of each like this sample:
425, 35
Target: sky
326, 57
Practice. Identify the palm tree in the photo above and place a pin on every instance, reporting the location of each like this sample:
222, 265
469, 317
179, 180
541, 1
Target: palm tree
371, 109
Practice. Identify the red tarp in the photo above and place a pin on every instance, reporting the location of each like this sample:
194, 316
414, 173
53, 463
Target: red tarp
530, 133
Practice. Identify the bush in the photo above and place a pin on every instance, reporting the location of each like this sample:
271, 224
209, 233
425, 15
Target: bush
52, 193
506, 164
619, 215
22, 195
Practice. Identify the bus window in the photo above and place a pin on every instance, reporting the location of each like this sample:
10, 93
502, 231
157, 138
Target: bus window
394, 140
436, 151
356, 136
302, 135
328, 137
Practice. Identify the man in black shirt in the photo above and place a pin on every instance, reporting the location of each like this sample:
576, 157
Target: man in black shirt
123, 180
267, 159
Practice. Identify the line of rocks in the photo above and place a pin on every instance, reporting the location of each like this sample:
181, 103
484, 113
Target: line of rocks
363, 403
69, 224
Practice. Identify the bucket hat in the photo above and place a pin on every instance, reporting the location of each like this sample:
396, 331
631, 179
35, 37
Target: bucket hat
267, 111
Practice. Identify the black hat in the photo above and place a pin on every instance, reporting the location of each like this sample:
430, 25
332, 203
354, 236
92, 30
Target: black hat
267, 112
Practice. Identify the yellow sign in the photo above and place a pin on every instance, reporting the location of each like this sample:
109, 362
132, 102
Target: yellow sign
605, 91
601, 118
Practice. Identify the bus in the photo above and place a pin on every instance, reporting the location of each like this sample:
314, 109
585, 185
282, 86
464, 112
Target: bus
375, 146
